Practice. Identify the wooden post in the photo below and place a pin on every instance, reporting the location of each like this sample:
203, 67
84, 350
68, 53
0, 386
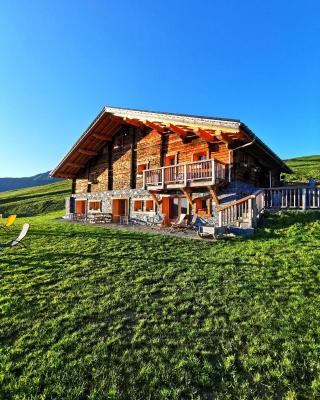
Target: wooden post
304, 198
185, 175
220, 218
162, 177
250, 211
254, 212
144, 179
213, 171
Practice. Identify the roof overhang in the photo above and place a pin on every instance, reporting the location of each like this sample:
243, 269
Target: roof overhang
110, 120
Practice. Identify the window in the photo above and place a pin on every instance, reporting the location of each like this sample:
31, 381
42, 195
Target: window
170, 160
138, 205
200, 156
93, 177
143, 205
149, 205
94, 205
142, 167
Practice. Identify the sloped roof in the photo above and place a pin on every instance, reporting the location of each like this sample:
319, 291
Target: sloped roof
111, 119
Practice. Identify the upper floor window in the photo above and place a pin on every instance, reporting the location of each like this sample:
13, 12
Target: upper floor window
199, 156
171, 160
141, 168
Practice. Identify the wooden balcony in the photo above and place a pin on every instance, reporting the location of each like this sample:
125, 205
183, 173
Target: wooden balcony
194, 174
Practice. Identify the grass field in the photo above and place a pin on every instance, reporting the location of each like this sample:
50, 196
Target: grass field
36, 199
92, 313
304, 168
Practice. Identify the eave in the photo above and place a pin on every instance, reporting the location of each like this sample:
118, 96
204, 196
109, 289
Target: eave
110, 120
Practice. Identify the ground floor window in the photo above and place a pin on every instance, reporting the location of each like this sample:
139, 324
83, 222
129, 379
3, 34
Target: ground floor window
81, 206
143, 205
138, 205
94, 205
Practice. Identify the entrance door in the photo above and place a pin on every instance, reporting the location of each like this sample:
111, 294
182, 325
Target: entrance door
119, 209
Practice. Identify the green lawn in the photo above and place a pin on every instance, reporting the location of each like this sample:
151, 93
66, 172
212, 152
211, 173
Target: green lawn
93, 313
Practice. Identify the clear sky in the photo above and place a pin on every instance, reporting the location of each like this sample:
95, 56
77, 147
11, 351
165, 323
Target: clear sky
62, 61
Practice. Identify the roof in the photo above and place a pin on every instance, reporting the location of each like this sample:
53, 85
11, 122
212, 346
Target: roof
110, 119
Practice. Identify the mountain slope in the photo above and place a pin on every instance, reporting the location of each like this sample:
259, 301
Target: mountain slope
304, 168
36, 199
18, 183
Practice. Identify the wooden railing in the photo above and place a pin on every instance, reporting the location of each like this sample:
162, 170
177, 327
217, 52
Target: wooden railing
302, 198
250, 208
207, 171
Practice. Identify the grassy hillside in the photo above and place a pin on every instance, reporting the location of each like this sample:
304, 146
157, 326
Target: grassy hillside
95, 313
304, 168
35, 199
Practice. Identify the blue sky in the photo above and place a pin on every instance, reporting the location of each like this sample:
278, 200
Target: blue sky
62, 61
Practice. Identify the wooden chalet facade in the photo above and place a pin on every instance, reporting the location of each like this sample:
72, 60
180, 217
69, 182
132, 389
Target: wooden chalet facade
132, 163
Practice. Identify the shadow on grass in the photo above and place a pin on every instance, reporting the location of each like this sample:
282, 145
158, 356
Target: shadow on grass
272, 223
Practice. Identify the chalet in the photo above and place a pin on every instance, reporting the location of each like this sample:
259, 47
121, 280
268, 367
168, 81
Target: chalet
133, 164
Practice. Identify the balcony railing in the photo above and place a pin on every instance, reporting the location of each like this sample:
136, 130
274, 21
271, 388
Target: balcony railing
196, 173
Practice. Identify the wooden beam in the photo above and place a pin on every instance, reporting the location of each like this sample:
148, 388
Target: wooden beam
117, 119
223, 137
87, 152
212, 190
134, 122
74, 165
65, 176
178, 130
188, 196
155, 198
103, 138
205, 135
154, 126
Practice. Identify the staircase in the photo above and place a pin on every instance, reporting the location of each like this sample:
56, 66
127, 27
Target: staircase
244, 214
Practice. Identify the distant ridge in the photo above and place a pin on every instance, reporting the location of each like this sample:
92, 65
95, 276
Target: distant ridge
18, 183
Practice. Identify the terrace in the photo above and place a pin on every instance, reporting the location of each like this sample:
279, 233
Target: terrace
193, 174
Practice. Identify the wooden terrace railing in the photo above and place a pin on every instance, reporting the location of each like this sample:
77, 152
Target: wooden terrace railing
247, 209
186, 174
250, 208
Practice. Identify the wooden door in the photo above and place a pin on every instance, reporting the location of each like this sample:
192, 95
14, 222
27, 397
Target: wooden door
119, 208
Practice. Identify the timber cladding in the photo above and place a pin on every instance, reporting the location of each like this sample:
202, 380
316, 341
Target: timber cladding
94, 177
148, 152
122, 147
119, 164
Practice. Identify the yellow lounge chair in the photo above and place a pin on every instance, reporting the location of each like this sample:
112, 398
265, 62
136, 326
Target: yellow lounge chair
10, 221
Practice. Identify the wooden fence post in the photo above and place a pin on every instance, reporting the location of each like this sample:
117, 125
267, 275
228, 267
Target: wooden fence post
250, 211
185, 175
304, 198
213, 171
162, 177
220, 218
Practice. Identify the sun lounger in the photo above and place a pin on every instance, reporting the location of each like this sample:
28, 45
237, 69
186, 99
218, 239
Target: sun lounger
10, 221
18, 240
179, 223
